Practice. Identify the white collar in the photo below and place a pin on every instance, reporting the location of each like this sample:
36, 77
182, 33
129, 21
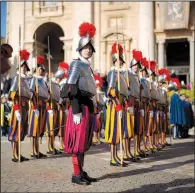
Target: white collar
117, 69
41, 77
85, 60
22, 75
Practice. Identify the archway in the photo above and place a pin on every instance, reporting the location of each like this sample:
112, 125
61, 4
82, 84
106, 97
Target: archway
54, 31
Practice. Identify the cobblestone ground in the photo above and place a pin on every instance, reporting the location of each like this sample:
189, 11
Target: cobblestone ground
170, 170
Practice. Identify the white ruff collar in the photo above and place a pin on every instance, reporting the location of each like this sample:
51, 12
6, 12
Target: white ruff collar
38, 76
116, 69
23, 75
85, 60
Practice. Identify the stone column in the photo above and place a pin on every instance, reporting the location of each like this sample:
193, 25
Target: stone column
191, 41
161, 54
146, 29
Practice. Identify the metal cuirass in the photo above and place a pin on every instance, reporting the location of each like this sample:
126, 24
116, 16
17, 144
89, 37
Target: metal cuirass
164, 95
100, 96
55, 91
25, 86
112, 82
81, 74
146, 88
134, 85
154, 92
43, 90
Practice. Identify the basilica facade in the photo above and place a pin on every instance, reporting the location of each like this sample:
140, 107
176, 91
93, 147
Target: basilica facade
163, 31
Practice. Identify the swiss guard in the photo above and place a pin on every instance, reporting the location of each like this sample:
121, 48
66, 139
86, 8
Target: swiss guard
98, 117
117, 128
80, 88
162, 82
61, 76
19, 114
135, 110
37, 123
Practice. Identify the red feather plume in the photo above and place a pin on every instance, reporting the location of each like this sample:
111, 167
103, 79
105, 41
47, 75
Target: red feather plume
137, 55
63, 65
98, 78
176, 80
144, 62
165, 72
40, 60
24, 55
120, 48
152, 65
87, 29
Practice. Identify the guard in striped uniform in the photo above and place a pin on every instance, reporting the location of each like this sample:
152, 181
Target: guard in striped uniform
37, 125
19, 114
117, 106
98, 116
63, 104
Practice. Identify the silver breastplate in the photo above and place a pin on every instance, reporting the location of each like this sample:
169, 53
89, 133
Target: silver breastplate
112, 82
43, 90
134, 85
146, 88
25, 86
81, 74
55, 91
164, 96
154, 92
100, 97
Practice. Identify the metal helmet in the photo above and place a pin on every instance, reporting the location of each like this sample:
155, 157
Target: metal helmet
24, 56
172, 86
135, 62
59, 74
114, 58
144, 69
41, 62
86, 32
162, 78
83, 42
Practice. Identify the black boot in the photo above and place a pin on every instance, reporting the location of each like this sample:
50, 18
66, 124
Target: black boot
89, 179
80, 180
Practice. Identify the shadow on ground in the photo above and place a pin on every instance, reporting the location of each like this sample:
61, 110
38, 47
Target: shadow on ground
171, 187
137, 171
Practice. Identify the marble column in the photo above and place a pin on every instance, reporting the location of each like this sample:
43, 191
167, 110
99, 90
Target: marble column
146, 29
161, 54
191, 41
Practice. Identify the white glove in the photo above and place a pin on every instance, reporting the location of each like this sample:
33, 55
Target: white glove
18, 116
105, 99
130, 109
142, 112
151, 113
50, 112
120, 113
36, 113
77, 118
66, 111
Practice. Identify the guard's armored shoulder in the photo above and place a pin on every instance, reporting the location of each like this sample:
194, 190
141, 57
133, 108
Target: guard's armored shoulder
112, 77
74, 72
